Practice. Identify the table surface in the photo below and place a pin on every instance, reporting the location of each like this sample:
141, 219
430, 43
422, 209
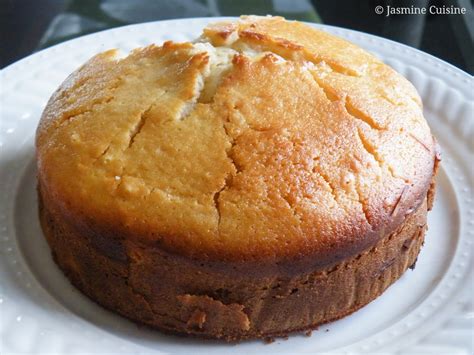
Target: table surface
27, 26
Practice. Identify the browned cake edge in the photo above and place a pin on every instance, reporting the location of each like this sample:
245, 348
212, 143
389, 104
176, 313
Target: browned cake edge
112, 240
160, 290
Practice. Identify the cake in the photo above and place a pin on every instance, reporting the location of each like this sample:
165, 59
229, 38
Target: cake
262, 180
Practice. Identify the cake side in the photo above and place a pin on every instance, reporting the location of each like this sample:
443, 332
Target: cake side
155, 288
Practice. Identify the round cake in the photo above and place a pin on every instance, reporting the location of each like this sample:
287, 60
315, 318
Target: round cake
261, 180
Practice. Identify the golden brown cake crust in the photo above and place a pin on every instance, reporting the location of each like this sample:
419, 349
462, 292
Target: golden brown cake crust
248, 184
313, 164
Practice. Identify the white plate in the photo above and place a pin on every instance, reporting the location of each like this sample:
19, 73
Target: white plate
428, 310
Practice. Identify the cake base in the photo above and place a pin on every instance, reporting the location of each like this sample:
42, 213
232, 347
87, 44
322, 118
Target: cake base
152, 287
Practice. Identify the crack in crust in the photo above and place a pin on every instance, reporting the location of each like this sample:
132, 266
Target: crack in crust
227, 184
288, 50
137, 128
230, 175
370, 149
104, 152
397, 204
363, 204
359, 115
326, 180
423, 144
330, 93
75, 113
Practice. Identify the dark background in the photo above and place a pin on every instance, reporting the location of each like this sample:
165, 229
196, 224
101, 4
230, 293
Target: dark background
30, 25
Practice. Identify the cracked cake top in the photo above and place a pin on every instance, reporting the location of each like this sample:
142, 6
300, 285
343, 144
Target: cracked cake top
262, 140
